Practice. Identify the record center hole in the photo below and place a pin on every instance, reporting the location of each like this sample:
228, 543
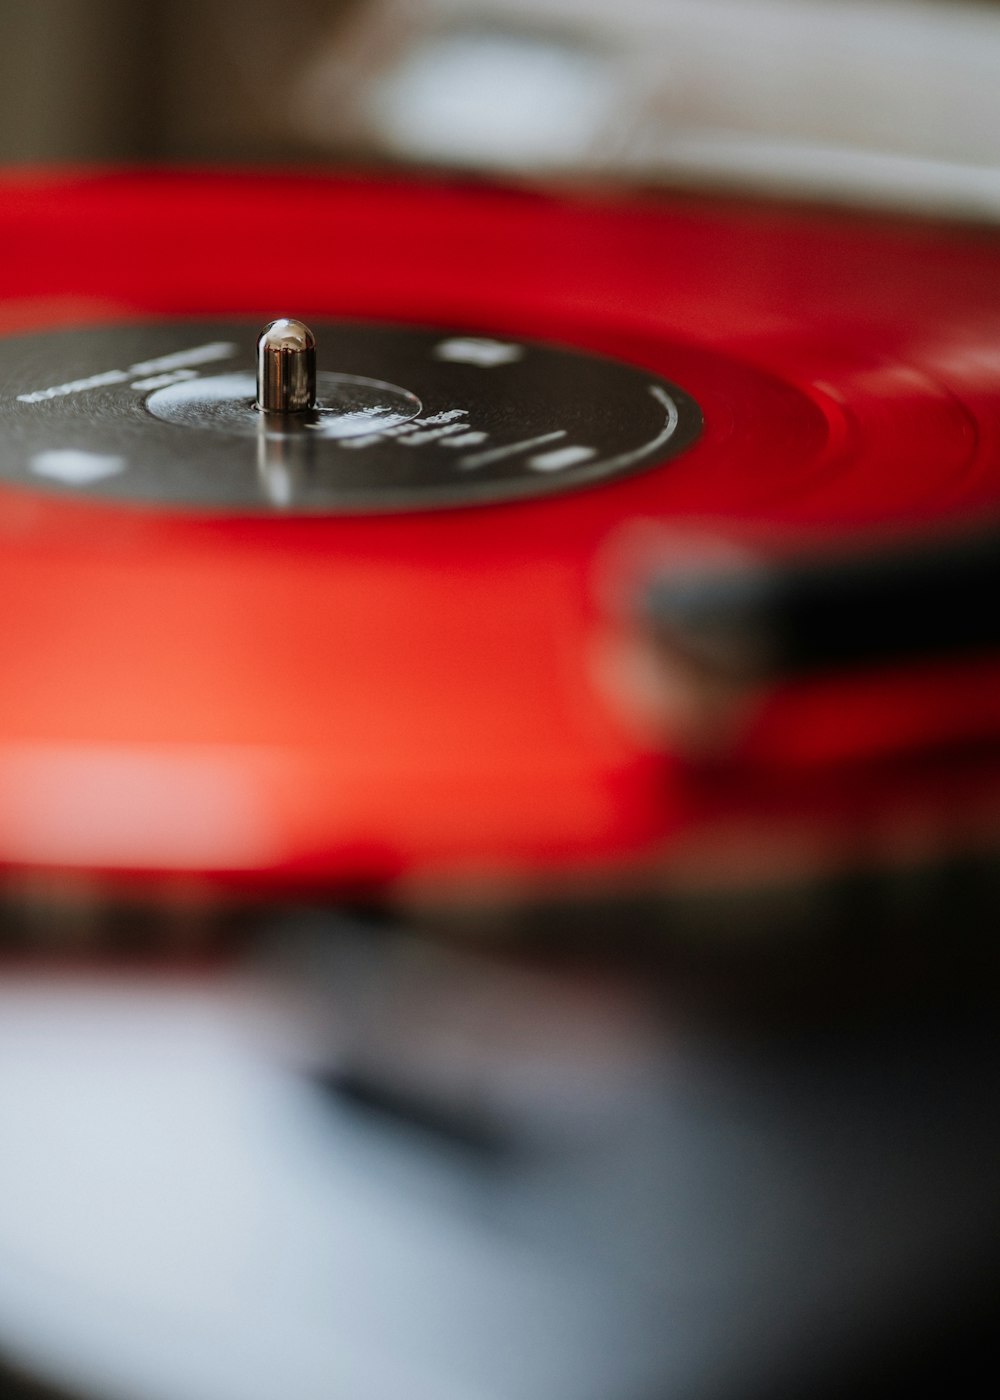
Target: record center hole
347, 405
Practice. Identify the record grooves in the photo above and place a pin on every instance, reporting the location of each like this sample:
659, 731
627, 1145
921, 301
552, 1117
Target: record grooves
334, 695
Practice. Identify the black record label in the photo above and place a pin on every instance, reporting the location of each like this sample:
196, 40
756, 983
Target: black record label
404, 419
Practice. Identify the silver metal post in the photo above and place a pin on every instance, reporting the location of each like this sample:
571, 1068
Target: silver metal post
286, 367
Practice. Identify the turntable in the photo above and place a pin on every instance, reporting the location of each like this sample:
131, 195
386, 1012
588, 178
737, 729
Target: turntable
532, 710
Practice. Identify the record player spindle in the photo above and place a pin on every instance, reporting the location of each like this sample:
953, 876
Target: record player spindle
286, 367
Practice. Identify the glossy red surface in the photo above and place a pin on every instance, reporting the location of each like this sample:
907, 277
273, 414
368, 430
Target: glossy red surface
359, 698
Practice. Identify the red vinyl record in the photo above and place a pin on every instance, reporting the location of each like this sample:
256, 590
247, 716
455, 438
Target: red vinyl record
371, 648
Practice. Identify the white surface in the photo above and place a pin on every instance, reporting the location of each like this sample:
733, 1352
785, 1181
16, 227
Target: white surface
184, 1218
179, 1218
885, 102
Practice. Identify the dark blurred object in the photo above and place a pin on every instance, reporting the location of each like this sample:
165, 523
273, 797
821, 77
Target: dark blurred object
893, 601
93, 80
76, 80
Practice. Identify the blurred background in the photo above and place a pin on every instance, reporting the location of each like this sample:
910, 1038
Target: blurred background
878, 100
